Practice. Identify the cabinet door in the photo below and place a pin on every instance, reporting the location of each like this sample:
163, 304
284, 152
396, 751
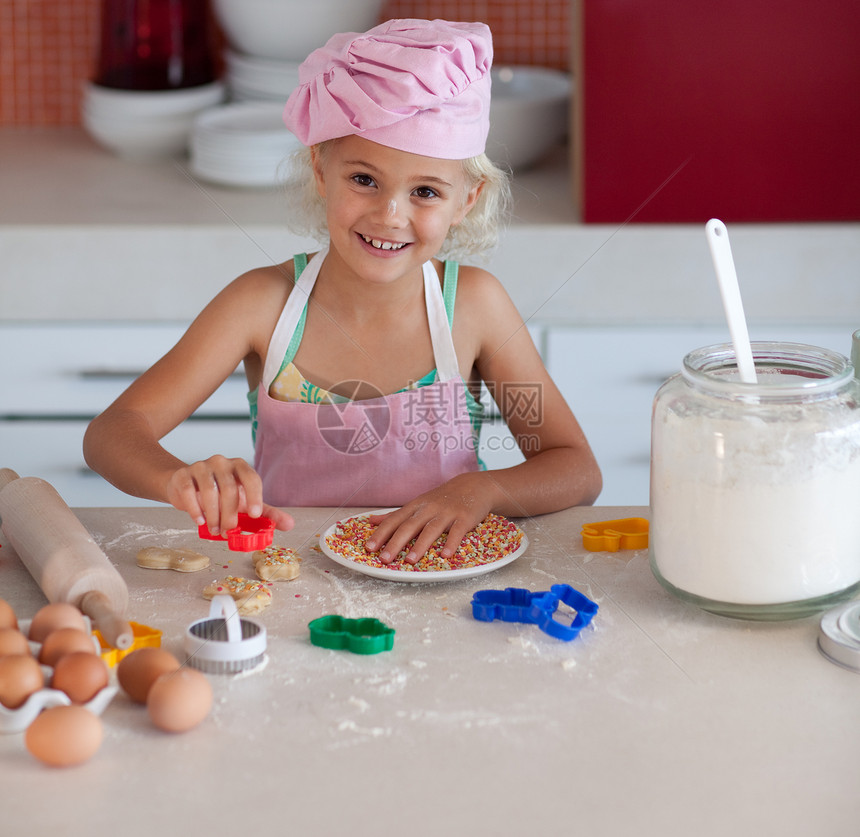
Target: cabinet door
609, 376
78, 369
51, 450
497, 447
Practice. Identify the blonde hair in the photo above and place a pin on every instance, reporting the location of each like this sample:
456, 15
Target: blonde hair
475, 235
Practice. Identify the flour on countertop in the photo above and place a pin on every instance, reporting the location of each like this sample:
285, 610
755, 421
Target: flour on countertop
137, 531
361, 705
373, 732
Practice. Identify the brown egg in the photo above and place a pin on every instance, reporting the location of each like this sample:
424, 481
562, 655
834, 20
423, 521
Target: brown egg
65, 641
12, 641
64, 736
54, 616
137, 671
7, 615
80, 675
20, 676
180, 700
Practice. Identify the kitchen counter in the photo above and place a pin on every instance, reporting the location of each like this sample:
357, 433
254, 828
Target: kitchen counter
659, 719
86, 235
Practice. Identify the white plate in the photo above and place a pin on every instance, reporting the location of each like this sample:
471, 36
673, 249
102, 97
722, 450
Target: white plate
426, 576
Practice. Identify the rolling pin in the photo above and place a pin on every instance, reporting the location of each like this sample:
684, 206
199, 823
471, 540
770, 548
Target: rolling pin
61, 555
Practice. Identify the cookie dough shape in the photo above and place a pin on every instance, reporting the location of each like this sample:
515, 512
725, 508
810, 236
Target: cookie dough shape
276, 563
250, 596
164, 558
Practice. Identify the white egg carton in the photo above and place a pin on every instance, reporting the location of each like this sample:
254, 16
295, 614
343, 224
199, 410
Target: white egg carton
17, 720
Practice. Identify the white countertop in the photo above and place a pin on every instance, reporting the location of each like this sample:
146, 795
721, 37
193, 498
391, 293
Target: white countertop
659, 720
87, 235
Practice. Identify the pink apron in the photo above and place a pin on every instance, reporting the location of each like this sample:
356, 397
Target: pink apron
377, 452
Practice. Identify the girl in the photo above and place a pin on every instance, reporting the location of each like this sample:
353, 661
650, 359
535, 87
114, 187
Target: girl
363, 361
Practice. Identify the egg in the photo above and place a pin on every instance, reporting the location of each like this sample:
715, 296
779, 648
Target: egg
20, 676
179, 701
64, 736
12, 641
54, 616
80, 675
64, 641
7, 615
137, 671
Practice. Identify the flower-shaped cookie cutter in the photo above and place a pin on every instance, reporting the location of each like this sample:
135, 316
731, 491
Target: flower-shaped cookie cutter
361, 636
612, 535
514, 604
251, 534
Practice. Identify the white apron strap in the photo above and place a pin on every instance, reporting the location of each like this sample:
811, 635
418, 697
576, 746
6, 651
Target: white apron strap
289, 319
440, 331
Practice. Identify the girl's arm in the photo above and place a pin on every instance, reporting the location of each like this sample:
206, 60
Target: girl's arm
560, 469
123, 442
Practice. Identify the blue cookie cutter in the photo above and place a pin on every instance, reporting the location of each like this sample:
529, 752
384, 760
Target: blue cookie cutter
514, 604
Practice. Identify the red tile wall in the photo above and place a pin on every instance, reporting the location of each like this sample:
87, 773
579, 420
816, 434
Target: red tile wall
524, 31
48, 47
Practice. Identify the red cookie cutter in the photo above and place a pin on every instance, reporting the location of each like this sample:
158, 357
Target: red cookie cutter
251, 534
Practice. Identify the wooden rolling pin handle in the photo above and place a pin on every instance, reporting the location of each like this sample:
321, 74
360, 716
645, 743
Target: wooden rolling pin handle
114, 629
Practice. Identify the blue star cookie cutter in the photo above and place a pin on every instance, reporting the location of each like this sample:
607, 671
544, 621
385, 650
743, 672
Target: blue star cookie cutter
361, 636
514, 604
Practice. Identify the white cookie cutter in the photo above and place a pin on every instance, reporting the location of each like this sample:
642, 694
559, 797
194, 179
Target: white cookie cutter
225, 643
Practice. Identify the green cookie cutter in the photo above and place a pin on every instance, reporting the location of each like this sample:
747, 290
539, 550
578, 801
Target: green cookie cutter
361, 636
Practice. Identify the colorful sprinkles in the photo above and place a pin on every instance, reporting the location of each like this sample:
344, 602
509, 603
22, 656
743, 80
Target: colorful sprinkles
275, 556
236, 586
490, 541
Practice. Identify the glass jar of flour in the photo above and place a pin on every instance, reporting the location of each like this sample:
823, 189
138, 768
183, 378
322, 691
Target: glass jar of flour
755, 487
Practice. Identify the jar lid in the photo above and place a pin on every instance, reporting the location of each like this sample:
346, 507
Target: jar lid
839, 636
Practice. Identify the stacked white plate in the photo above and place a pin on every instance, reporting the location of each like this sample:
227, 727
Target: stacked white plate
241, 144
259, 79
143, 123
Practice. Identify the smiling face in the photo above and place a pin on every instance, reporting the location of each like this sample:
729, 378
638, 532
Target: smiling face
389, 211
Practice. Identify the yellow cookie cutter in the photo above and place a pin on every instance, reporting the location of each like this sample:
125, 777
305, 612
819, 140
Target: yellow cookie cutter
143, 637
612, 535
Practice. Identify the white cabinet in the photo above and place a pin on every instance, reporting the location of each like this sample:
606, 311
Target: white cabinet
63, 375
51, 449
609, 376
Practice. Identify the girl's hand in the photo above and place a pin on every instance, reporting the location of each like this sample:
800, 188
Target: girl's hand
455, 507
215, 490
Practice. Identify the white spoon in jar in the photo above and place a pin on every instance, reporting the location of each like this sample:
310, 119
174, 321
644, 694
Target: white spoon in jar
724, 265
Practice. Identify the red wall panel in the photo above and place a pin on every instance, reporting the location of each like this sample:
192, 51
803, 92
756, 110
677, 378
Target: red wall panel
746, 110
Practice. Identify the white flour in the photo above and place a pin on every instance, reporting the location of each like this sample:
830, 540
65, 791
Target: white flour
750, 511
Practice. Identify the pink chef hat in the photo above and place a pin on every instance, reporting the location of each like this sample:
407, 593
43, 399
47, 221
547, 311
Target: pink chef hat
421, 86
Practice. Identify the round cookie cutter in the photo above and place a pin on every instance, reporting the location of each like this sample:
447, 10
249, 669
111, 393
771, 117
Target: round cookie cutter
224, 642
